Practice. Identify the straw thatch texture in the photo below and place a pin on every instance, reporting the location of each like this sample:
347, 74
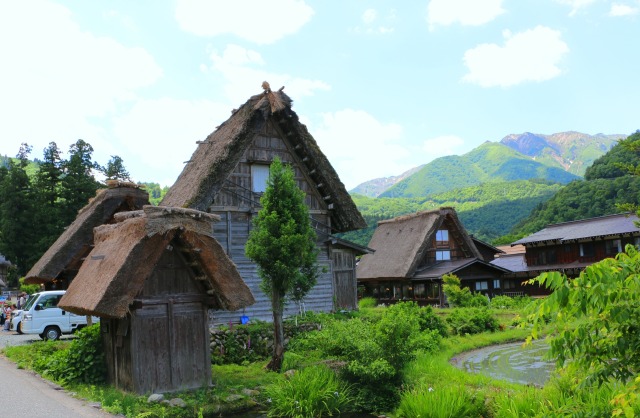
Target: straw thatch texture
75, 242
126, 254
400, 244
216, 157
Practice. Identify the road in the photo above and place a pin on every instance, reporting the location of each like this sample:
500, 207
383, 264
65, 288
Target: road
24, 393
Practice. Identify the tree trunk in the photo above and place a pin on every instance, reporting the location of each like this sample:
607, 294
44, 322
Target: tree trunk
278, 333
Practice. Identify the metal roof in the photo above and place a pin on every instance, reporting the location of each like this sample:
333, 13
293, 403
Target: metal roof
611, 225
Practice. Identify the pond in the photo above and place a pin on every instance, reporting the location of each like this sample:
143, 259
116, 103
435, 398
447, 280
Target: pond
512, 362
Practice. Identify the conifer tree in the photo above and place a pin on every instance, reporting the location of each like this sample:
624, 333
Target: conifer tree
283, 244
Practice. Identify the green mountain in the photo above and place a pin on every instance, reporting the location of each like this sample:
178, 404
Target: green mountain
487, 211
571, 151
607, 185
373, 188
490, 162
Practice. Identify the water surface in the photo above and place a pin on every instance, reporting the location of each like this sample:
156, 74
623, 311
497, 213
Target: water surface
512, 362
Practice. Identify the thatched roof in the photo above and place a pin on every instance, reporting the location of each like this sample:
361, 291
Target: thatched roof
216, 157
75, 242
126, 254
400, 244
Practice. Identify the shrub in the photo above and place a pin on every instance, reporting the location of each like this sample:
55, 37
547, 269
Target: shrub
310, 392
472, 321
444, 402
82, 362
367, 302
506, 302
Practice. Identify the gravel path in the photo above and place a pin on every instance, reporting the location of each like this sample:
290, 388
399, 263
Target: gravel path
35, 396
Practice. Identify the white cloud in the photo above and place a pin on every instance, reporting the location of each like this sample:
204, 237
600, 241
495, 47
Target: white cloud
258, 21
576, 5
619, 10
532, 55
360, 147
371, 22
157, 136
442, 146
56, 80
241, 70
464, 12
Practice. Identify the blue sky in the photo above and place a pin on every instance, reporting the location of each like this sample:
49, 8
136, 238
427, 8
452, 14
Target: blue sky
383, 86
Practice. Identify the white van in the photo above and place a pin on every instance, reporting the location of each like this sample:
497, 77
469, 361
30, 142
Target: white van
42, 316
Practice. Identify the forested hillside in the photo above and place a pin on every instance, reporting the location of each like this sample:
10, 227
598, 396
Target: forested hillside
607, 184
490, 162
487, 211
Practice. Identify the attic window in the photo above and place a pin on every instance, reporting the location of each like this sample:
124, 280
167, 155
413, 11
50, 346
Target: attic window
442, 238
259, 177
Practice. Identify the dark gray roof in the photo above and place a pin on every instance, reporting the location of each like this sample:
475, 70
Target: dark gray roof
517, 264
438, 270
603, 226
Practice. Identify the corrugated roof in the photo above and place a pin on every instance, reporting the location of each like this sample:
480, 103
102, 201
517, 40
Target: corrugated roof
517, 264
610, 225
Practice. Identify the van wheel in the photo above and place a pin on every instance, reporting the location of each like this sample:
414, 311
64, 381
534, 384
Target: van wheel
19, 328
51, 333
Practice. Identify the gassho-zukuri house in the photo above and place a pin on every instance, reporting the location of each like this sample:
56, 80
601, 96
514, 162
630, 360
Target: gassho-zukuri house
226, 176
413, 252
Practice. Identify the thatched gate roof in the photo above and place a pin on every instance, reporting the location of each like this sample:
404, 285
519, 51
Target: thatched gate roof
75, 242
216, 157
126, 254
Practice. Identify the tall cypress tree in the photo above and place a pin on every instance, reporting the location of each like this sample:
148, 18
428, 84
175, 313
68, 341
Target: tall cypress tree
18, 230
48, 197
78, 183
283, 244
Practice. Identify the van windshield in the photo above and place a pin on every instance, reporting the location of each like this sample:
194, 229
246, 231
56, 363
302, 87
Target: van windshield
29, 303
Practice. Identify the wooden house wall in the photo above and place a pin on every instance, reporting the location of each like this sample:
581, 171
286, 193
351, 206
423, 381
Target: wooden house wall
236, 204
570, 252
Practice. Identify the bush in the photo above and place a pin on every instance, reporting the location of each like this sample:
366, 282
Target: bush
82, 362
366, 303
310, 392
375, 351
506, 302
440, 402
472, 321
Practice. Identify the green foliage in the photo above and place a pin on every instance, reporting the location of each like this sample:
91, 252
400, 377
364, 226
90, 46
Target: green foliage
461, 297
375, 350
311, 392
83, 362
611, 183
441, 402
156, 193
596, 317
366, 303
472, 321
28, 288
283, 245
115, 169
282, 241
39, 199
507, 302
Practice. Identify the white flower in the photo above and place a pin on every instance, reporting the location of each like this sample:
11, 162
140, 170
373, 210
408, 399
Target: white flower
430, 389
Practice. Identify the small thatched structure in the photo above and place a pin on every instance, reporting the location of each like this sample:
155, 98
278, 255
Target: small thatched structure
152, 277
413, 252
59, 264
226, 175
